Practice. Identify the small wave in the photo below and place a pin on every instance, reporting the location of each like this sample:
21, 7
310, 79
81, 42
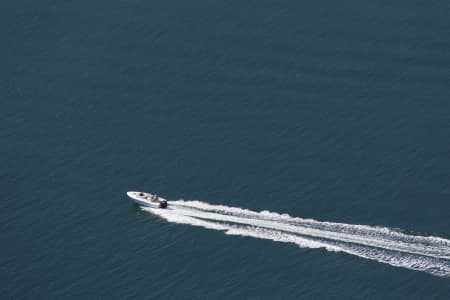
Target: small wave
422, 253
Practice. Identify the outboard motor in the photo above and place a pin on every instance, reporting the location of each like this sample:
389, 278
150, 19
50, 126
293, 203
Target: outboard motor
162, 203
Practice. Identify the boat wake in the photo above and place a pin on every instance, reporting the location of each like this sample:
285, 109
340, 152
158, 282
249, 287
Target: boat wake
422, 253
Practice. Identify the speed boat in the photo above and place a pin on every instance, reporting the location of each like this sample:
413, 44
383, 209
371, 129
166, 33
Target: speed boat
147, 199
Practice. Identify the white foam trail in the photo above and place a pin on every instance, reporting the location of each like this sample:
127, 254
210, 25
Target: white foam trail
429, 254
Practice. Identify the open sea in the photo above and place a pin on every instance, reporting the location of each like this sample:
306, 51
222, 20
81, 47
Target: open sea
304, 147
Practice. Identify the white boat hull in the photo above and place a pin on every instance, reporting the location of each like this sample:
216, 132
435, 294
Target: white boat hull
147, 199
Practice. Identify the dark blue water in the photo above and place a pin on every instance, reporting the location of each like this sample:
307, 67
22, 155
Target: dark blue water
336, 111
